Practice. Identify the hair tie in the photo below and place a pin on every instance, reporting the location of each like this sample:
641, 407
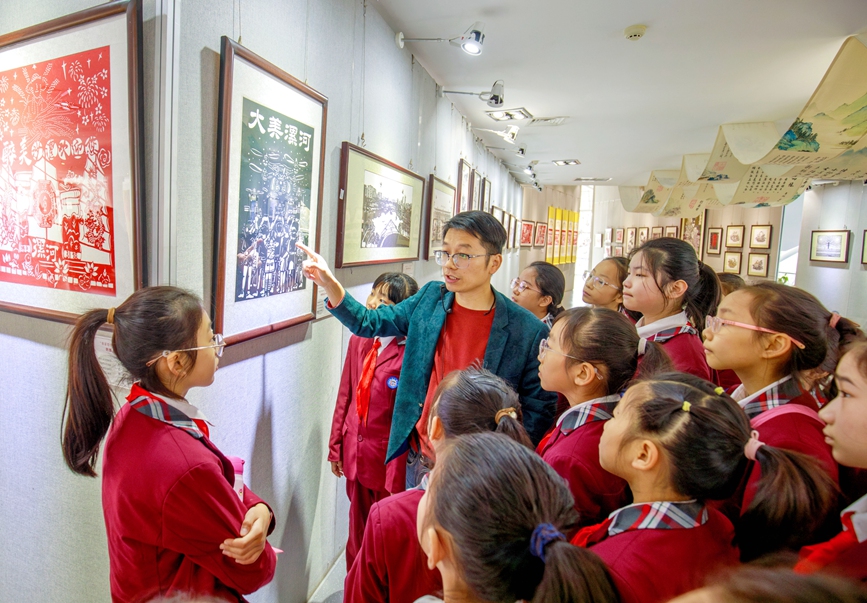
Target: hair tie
835, 318
719, 391
642, 346
752, 446
503, 412
543, 535
110, 318
686, 406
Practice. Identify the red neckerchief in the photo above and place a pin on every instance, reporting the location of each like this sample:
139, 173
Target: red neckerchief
362, 390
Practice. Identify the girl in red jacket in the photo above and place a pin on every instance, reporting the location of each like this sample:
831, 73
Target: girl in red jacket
493, 521
362, 414
679, 443
590, 357
846, 418
674, 292
771, 335
390, 567
174, 522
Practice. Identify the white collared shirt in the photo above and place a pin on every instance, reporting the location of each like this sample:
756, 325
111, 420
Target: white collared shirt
384, 341
740, 394
859, 519
186, 408
577, 407
677, 320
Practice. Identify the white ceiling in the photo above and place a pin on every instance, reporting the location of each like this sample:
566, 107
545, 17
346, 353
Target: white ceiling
633, 106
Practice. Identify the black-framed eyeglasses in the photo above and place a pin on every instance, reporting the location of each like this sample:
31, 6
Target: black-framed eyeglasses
219, 344
594, 280
461, 260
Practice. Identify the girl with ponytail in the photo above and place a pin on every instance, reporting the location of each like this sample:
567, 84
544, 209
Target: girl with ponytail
390, 566
540, 288
590, 357
174, 521
493, 521
772, 336
674, 292
680, 442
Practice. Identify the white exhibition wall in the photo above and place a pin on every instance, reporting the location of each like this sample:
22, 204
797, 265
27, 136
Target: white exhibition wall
272, 399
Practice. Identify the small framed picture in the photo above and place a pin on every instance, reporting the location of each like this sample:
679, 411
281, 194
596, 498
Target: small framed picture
609, 232
631, 233
527, 233
714, 241
643, 234
486, 195
830, 246
597, 239
732, 262
760, 236
476, 191
541, 234
607, 251
463, 197
618, 236
671, 231
498, 213
758, 264
516, 232
510, 231
864, 249
656, 232
618, 251
735, 236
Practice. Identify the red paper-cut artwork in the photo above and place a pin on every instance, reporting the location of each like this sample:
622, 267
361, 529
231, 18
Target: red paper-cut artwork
56, 207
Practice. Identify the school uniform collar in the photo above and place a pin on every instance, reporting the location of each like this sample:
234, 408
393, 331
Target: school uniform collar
660, 515
664, 329
776, 394
548, 320
598, 409
855, 518
177, 413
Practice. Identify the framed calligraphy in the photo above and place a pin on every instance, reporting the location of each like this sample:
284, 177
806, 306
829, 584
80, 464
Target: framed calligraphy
71, 186
270, 177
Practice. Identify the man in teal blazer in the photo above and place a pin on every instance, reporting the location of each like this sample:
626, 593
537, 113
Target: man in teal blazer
513, 343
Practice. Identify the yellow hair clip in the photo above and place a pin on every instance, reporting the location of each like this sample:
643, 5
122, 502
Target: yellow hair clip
719, 391
686, 406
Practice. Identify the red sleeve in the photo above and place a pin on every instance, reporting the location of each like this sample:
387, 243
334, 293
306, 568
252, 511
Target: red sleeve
341, 406
687, 355
200, 511
367, 579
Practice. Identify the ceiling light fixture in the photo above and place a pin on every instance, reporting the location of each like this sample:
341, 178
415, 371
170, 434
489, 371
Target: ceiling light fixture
592, 179
495, 97
470, 42
510, 114
562, 162
509, 134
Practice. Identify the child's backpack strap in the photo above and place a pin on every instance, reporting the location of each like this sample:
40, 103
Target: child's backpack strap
784, 410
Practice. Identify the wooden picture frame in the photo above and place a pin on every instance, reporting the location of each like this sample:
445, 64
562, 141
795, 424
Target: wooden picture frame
516, 232
618, 236
618, 251
692, 231
527, 227
270, 179
760, 236
500, 215
830, 246
72, 193
656, 232
757, 264
486, 195
476, 191
606, 251
631, 236
643, 235
441, 209
380, 206
714, 241
463, 196
732, 262
735, 236
542, 234
672, 231
609, 235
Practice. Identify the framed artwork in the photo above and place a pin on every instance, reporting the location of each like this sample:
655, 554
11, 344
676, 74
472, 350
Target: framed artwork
270, 162
575, 243
656, 232
618, 251
597, 239
830, 246
499, 215
380, 206
549, 244
542, 232
71, 177
516, 232
692, 231
527, 233
618, 236
476, 191
441, 209
864, 249
510, 231
643, 234
608, 235
760, 236
486, 196
735, 236
463, 196
606, 251
671, 231
758, 264
732, 262
714, 241
631, 233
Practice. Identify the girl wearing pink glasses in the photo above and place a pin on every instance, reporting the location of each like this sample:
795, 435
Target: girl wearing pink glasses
771, 336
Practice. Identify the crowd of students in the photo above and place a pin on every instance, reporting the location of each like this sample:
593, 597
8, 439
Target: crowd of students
681, 436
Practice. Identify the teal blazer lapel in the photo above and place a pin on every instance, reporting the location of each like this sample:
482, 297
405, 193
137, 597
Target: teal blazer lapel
499, 334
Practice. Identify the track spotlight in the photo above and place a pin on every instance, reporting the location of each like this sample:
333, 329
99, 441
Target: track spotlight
470, 42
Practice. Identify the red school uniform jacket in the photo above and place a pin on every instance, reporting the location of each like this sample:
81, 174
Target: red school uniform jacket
391, 565
169, 503
573, 452
362, 447
657, 551
683, 345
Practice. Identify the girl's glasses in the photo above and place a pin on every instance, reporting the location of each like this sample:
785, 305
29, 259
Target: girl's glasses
219, 344
593, 281
544, 347
461, 260
715, 323
523, 285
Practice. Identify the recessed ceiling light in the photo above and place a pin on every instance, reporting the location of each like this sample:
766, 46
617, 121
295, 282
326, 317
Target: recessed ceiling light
510, 114
592, 179
566, 162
